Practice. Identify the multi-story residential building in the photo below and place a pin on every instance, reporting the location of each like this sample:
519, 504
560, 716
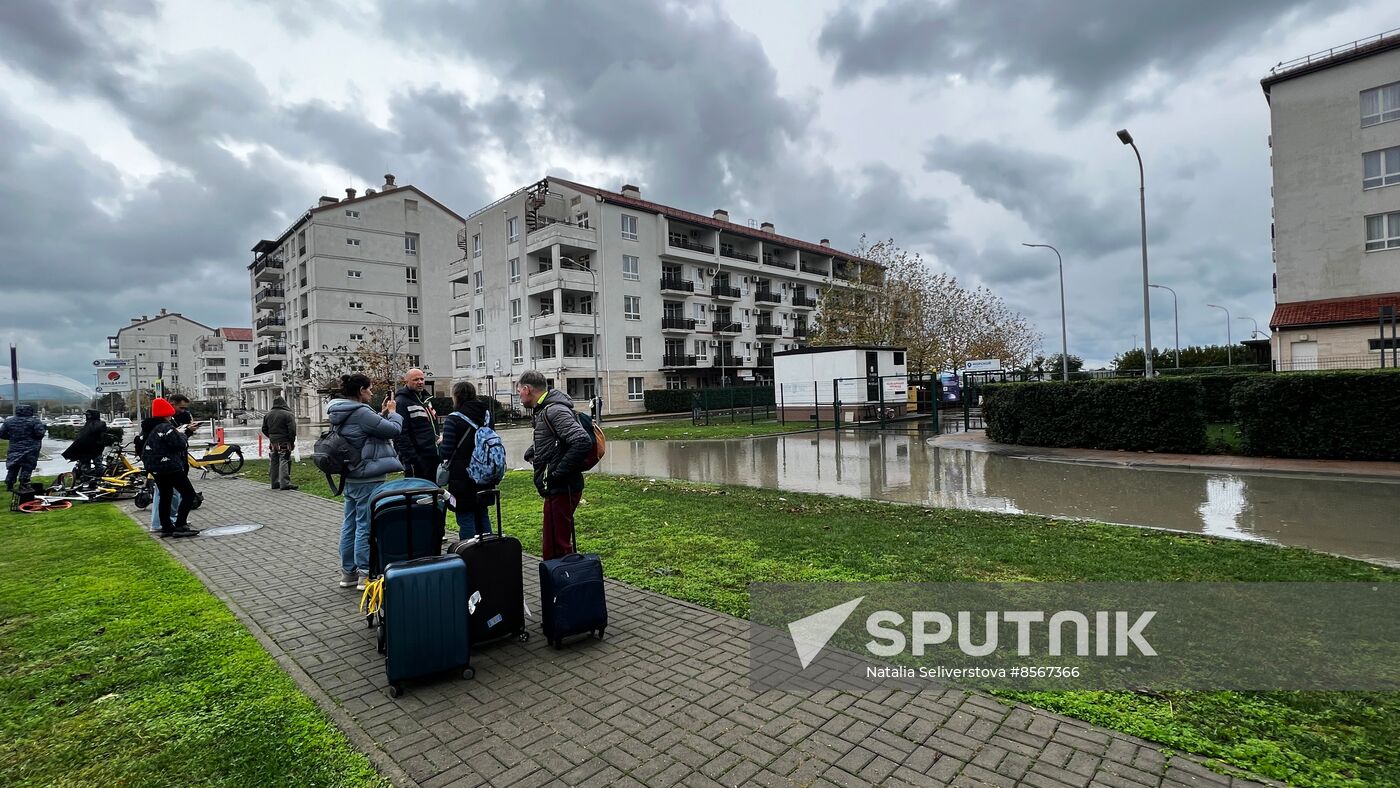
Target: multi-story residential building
221, 360
679, 300
163, 348
1335, 137
343, 267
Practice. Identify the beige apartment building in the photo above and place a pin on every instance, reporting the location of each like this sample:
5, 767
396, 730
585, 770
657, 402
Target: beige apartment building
1335, 122
343, 267
676, 299
163, 347
221, 360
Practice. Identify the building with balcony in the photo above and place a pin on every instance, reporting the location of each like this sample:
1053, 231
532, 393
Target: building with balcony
164, 348
1335, 139
678, 299
221, 360
344, 267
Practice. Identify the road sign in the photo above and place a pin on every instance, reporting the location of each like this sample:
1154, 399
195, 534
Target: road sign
983, 365
112, 363
113, 381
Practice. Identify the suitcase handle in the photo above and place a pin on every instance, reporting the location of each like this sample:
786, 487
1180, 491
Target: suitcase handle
486, 498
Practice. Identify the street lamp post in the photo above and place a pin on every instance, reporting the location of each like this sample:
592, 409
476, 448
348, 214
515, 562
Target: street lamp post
1176, 322
1229, 343
1127, 139
1256, 326
1064, 330
597, 379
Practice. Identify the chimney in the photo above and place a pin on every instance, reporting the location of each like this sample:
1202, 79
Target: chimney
368, 192
388, 181
628, 190
349, 194
162, 312
766, 227
144, 318
826, 242
721, 214
326, 201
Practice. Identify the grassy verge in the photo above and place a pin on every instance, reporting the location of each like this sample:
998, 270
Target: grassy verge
684, 430
685, 540
117, 667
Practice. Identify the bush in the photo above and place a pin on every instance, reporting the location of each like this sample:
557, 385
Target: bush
682, 400
1352, 415
1164, 414
1216, 391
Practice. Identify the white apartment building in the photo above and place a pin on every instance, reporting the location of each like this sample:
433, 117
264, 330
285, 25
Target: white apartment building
679, 300
343, 267
1335, 122
222, 359
163, 347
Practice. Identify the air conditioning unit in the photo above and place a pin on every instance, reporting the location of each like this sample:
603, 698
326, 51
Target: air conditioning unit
714, 343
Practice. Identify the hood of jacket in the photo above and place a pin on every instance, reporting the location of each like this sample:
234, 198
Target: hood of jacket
24, 410
339, 409
405, 391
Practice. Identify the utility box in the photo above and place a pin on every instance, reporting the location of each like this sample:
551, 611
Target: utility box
862, 378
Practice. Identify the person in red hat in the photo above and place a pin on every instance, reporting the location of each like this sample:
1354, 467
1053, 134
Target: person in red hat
165, 453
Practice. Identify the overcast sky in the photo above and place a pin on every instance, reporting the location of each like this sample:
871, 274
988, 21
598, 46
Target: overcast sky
147, 145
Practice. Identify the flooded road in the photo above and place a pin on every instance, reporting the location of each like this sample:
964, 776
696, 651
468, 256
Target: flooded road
1360, 519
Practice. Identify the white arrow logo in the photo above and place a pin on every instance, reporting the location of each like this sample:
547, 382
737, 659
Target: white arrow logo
811, 634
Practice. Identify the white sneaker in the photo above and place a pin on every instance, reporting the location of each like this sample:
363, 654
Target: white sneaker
360, 585
348, 579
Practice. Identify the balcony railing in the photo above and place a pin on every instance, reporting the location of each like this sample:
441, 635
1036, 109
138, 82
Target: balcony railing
769, 296
804, 301
677, 284
271, 350
768, 330
677, 324
681, 242
769, 259
729, 251
813, 269
724, 291
765, 360
670, 360
264, 322
799, 332
727, 327
728, 361
270, 292
270, 263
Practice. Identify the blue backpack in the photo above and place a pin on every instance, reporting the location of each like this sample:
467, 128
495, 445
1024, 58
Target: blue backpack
488, 463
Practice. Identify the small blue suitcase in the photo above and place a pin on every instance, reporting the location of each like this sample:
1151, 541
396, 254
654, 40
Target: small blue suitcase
572, 599
425, 619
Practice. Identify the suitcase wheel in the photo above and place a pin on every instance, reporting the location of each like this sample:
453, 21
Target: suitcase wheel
395, 690
369, 622
469, 673
599, 633
523, 637
558, 644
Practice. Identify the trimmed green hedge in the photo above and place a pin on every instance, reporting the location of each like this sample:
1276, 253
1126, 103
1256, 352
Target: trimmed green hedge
1353, 415
681, 400
1163, 415
1216, 391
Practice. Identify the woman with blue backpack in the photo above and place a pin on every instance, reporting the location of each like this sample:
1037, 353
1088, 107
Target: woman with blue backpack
473, 459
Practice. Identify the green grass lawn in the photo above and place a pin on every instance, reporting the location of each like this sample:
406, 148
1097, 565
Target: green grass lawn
117, 667
1223, 439
720, 428
685, 540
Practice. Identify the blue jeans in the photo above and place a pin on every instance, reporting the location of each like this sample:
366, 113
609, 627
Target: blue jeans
354, 529
155, 505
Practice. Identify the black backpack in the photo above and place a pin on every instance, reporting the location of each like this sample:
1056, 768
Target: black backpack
161, 452
335, 456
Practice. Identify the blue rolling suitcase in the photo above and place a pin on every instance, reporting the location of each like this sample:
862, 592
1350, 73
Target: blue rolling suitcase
407, 518
572, 599
425, 619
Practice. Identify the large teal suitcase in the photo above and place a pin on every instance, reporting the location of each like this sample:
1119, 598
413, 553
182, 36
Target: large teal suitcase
425, 619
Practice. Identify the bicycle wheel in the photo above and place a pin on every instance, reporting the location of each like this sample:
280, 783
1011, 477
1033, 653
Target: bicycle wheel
233, 464
36, 507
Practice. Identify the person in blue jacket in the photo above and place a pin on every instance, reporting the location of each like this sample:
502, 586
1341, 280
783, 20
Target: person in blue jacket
372, 434
25, 432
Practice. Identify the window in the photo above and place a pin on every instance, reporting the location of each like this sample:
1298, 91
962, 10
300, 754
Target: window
174, 352
1380, 168
413, 305
476, 282
476, 245
517, 351
481, 320
410, 205
174, 339
1381, 104
352, 241
634, 348
410, 243
515, 269
632, 307
352, 214
748, 350
898, 358
515, 310
481, 356
513, 229
702, 348
582, 220
357, 337
547, 346
410, 275
357, 304
746, 318
1383, 231
353, 274
242, 362
634, 389
413, 333
673, 382
415, 360
629, 227
242, 347
631, 268
700, 314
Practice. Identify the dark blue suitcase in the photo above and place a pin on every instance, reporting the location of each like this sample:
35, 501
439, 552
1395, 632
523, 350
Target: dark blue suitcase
425, 619
407, 518
572, 600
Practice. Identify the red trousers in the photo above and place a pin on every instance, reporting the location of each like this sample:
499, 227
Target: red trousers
559, 525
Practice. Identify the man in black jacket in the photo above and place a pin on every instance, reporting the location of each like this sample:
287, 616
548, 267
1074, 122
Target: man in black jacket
86, 449
280, 427
417, 444
560, 447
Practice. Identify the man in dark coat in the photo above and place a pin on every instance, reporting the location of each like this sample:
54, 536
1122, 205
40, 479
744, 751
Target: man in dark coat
25, 432
417, 444
559, 450
280, 427
86, 449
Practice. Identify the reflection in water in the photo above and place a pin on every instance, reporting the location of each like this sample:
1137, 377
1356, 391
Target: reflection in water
1352, 518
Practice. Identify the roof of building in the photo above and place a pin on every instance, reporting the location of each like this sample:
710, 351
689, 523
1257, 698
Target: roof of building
237, 334
1332, 311
1327, 58
163, 315
711, 222
832, 348
266, 245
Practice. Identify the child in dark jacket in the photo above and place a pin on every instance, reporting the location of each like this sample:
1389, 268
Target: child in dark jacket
458, 442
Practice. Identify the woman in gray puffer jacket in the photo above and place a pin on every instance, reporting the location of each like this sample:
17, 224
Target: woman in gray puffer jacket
373, 434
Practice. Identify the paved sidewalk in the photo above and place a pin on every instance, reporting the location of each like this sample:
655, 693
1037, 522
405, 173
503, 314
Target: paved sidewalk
663, 701
977, 441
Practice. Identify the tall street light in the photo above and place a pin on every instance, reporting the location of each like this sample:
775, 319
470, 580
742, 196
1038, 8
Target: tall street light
597, 379
1064, 331
1256, 325
1176, 321
1229, 343
1142, 205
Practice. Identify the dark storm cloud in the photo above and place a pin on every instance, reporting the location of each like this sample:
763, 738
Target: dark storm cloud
1089, 50
69, 42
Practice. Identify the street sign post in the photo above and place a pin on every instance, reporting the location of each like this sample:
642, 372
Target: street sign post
111, 363
111, 381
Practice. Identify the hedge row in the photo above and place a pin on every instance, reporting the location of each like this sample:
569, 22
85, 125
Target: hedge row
1353, 415
1163, 414
682, 400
